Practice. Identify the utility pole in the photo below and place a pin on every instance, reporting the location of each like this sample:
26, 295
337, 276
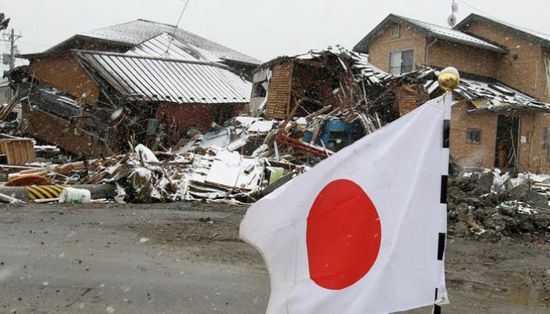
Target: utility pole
12, 38
8, 59
12, 49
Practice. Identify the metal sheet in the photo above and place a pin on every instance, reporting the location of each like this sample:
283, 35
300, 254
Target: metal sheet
170, 80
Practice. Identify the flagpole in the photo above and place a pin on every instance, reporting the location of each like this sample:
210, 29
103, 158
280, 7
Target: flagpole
448, 81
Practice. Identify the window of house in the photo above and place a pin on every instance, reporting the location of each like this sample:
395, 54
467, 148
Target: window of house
401, 62
545, 138
396, 31
473, 136
258, 90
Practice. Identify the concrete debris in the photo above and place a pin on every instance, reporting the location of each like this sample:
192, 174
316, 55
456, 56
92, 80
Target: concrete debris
491, 205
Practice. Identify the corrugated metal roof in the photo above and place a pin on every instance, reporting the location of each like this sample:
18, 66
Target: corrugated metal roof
170, 80
167, 46
139, 31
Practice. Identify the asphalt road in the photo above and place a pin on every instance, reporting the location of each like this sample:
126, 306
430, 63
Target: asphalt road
94, 261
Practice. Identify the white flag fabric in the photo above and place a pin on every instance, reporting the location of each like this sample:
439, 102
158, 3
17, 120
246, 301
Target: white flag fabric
358, 233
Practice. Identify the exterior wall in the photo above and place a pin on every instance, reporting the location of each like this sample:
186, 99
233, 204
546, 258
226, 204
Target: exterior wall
279, 92
62, 133
533, 156
464, 58
316, 79
408, 98
523, 68
65, 74
380, 48
473, 155
181, 118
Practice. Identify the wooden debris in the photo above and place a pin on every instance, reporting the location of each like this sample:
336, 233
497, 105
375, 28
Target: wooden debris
18, 151
6, 111
47, 200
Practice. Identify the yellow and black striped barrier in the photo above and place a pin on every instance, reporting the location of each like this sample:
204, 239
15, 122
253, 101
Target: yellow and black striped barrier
44, 192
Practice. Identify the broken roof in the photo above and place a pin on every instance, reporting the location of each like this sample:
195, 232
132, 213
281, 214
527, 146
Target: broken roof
497, 97
359, 63
430, 30
169, 80
167, 46
488, 95
136, 32
538, 37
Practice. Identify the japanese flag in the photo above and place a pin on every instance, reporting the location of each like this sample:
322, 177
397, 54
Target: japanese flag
363, 231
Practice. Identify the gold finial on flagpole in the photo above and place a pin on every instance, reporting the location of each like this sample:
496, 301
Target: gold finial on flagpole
449, 79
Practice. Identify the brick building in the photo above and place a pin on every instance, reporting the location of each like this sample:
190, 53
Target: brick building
508, 131
158, 78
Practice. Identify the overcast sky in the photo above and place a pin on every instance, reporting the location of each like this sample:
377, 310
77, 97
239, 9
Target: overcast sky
260, 28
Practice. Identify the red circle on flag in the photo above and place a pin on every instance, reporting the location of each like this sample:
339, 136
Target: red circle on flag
343, 235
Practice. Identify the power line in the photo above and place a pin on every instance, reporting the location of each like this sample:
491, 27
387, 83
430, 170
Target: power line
477, 9
177, 26
182, 12
496, 18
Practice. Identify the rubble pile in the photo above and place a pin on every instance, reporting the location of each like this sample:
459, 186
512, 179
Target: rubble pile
229, 164
490, 205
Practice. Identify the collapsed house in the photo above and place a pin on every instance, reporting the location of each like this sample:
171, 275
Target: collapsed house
138, 82
331, 91
241, 159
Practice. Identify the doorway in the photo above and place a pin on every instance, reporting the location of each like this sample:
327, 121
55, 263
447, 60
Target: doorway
507, 143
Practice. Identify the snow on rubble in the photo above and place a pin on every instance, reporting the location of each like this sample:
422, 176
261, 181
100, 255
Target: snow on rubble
234, 163
492, 204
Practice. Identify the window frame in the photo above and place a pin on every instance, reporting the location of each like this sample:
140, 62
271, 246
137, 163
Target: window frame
400, 52
471, 138
390, 66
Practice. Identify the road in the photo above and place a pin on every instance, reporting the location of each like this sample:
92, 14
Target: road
186, 258
70, 260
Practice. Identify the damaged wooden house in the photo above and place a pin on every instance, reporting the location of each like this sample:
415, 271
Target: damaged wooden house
323, 95
502, 116
138, 82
